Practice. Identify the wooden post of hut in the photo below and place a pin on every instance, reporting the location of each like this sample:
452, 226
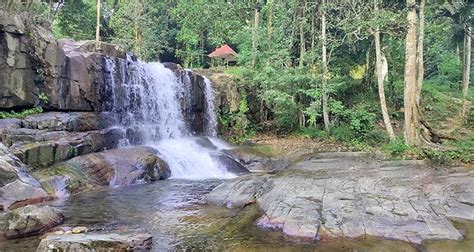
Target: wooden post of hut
223, 54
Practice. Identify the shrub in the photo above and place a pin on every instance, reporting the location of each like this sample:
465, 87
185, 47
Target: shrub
396, 147
22, 114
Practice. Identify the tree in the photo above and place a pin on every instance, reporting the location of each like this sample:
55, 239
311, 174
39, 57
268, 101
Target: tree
410, 83
302, 24
255, 31
381, 78
137, 30
420, 58
460, 11
97, 28
325, 68
466, 68
75, 19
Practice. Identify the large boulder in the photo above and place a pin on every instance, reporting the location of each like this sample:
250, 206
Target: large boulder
60, 146
33, 65
117, 167
45, 139
31, 220
17, 186
96, 242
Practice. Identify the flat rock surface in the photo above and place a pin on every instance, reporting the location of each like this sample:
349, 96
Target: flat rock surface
330, 196
96, 242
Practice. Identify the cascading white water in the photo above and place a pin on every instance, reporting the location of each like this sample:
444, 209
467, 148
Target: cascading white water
210, 111
147, 100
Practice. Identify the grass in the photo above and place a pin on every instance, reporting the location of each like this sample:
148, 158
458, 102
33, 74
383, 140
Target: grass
22, 114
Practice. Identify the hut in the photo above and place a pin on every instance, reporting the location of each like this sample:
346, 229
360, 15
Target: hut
224, 54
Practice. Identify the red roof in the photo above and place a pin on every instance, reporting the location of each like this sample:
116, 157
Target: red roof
223, 51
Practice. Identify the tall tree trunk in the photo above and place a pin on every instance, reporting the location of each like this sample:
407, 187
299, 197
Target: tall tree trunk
255, 32
202, 43
270, 4
467, 69
302, 37
381, 79
325, 68
420, 58
97, 28
313, 34
137, 30
411, 111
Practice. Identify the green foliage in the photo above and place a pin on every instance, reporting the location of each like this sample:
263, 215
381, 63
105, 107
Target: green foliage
43, 99
22, 114
396, 147
75, 19
310, 132
361, 121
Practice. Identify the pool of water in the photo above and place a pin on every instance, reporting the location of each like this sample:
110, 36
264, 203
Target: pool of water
173, 211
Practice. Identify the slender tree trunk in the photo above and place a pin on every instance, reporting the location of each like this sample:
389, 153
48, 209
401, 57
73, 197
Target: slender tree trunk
313, 33
411, 111
420, 58
97, 28
49, 10
202, 43
325, 68
368, 73
381, 79
138, 34
467, 69
302, 37
270, 4
255, 32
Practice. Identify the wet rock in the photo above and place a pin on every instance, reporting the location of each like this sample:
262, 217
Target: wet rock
239, 192
254, 159
116, 167
19, 193
57, 121
330, 196
17, 186
230, 163
31, 220
96, 242
68, 144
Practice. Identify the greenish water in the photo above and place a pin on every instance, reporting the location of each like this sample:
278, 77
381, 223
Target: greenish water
173, 211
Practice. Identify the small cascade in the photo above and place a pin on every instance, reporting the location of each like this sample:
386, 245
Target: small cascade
211, 126
150, 104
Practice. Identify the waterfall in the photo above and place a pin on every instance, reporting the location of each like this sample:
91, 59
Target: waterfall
211, 127
148, 102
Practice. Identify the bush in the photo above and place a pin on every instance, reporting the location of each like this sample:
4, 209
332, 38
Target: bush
343, 133
362, 121
22, 114
311, 132
396, 147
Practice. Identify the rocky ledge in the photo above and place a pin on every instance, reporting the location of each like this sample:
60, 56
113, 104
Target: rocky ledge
96, 242
348, 196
